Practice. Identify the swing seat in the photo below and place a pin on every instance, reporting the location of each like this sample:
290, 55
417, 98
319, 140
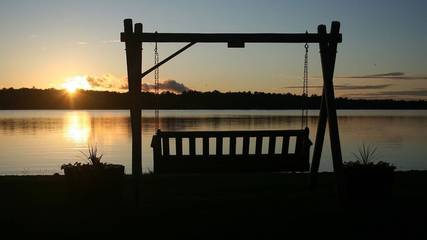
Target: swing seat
231, 151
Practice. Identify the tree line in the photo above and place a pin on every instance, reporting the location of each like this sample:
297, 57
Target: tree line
31, 98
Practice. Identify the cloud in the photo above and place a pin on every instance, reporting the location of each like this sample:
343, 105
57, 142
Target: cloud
110, 41
82, 43
103, 82
168, 85
33, 36
415, 93
297, 87
362, 87
382, 75
389, 76
106, 81
349, 87
124, 86
109, 81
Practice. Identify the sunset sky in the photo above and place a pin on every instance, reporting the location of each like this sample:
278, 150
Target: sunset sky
51, 43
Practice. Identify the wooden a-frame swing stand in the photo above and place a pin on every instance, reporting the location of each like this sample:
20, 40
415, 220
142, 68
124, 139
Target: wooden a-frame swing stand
133, 36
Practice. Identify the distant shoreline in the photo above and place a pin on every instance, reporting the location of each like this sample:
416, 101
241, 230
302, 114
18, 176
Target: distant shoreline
53, 99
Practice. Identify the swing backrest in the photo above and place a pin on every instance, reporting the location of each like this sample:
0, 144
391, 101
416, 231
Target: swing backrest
231, 151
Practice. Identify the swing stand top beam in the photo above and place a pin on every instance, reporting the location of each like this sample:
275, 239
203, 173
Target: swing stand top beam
232, 39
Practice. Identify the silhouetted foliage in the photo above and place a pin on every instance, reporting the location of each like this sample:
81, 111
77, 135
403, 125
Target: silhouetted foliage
30, 98
94, 166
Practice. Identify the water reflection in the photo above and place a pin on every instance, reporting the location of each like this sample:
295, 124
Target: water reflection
77, 126
38, 142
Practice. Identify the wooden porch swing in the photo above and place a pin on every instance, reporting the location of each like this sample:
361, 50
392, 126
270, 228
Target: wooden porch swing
285, 160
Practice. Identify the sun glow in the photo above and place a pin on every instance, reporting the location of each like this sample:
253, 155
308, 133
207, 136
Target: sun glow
78, 126
74, 83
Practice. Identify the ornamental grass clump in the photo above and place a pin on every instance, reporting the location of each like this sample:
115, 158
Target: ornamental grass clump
367, 156
92, 156
93, 166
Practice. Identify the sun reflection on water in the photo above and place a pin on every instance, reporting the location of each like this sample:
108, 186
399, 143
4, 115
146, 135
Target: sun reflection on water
77, 127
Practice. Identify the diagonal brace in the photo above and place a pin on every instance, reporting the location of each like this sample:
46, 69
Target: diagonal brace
167, 59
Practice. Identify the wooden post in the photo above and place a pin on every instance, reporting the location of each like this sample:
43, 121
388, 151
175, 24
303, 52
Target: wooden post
328, 54
134, 59
318, 145
330, 103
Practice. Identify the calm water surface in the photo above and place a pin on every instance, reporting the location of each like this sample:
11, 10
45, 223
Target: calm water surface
38, 142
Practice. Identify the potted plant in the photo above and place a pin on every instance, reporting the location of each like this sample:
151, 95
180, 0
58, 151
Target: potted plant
366, 179
94, 179
94, 167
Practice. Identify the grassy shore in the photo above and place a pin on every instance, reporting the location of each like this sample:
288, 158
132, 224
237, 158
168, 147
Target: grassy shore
245, 205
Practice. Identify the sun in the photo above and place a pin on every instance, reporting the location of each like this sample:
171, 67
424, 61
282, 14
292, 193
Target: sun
72, 84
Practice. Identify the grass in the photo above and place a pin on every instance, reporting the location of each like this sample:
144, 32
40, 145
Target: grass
366, 157
245, 205
92, 155
366, 154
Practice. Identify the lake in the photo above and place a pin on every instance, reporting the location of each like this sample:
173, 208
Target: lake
38, 142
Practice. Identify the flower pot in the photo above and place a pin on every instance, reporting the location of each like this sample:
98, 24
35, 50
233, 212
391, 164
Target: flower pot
102, 184
367, 185
91, 171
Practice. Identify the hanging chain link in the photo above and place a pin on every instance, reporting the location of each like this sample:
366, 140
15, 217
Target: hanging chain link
156, 87
156, 71
304, 108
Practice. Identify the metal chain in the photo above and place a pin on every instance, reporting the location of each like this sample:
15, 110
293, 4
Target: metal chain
304, 107
156, 87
